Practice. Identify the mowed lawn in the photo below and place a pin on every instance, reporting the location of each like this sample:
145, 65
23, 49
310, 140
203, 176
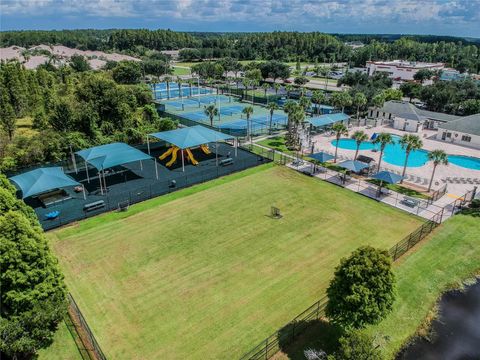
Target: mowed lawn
209, 274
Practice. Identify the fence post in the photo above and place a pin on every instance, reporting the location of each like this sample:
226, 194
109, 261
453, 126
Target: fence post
395, 254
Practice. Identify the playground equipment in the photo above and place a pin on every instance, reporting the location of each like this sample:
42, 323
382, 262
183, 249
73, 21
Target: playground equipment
205, 149
187, 152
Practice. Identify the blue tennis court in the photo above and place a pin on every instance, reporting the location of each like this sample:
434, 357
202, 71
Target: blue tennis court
195, 116
210, 99
187, 103
277, 119
231, 109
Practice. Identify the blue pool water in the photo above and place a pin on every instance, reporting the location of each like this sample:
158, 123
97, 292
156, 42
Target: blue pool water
395, 155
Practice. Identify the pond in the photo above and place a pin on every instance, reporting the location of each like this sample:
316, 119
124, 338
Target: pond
456, 331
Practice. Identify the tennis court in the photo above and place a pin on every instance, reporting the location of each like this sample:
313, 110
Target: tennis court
231, 109
211, 99
176, 90
183, 103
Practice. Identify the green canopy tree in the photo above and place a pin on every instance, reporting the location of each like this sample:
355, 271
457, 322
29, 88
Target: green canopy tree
33, 295
79, 63
127, 72
409, 143
7, 120
341, 99
438, 157
356, 345
362, 291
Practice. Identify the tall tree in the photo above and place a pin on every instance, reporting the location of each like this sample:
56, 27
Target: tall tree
33, 295
341, 99
318, 98
362, 290
438, 157
359, 100
7, 120
211, 111
409, 143
359, 137
339, 129
272, 106
383, 139
248, 111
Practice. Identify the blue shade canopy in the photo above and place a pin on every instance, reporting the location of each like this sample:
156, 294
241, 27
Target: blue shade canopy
374, 136
191, 136
321, 156
353, 165
388, 177
327, 119
42, 180
107, 156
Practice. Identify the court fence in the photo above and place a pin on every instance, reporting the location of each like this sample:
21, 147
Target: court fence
85, 340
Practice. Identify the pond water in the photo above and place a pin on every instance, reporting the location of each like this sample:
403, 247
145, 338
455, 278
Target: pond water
456, 331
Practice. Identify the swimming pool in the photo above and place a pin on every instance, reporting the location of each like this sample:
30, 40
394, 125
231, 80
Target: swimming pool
395, 155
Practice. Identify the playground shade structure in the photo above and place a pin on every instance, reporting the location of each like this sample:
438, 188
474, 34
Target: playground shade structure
110, 155
42, 180
190, 137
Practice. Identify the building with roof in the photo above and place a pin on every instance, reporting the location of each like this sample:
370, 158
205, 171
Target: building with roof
462, 131
407, 117
401, 69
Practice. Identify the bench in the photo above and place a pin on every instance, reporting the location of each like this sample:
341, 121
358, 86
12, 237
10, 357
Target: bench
94, 205
410, 202
225, 162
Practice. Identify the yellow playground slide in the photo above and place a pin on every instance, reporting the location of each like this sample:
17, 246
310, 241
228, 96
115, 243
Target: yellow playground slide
174, 157
190, 156
205, 149
167, 153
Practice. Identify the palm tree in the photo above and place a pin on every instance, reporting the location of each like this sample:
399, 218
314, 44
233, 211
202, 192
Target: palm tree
359, 100
190, 84
246, 83
167, 79
265, 87
359, 137
409, 143
248, 111
383, 139
179, 82
288, 88
277, 87
211, 111
439, 157
340, 129
305, 103
318, 98
271, 107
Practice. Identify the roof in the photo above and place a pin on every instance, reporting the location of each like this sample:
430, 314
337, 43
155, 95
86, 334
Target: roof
388, 177
42, 180
353, 165
407, 110
327, 119
467, 124
107, 156
191, 136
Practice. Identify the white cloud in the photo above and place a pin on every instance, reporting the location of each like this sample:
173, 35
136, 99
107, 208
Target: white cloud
291, 12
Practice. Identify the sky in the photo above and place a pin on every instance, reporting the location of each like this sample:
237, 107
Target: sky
436, 17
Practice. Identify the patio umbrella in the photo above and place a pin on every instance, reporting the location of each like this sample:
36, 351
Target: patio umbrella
353, 165
374, 136
387, 177
321, 156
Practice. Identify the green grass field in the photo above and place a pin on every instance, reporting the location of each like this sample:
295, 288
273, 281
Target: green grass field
181, 71
205, 272
442, 261
63, 347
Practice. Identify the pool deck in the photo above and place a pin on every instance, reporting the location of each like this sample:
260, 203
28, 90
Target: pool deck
323, 143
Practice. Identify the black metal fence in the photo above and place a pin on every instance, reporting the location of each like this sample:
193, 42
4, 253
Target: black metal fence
287, 334
73, 211
437, 194
86, 342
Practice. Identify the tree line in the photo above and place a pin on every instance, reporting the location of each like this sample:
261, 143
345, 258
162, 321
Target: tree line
283, 46
68, 109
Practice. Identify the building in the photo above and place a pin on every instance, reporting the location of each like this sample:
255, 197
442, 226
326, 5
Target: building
407, 117
449, 74
463, 131
400, 69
